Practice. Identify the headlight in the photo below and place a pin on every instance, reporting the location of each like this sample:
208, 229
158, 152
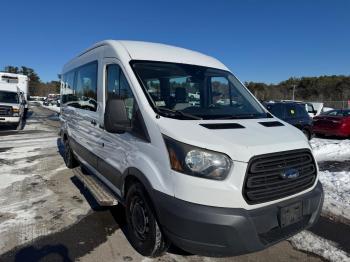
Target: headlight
15, 112
194, 161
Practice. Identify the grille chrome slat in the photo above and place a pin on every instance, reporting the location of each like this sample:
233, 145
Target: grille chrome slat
5, 111
264, 181
277, 182
280, 163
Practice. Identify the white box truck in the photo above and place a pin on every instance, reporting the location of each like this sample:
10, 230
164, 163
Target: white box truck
11, 105
17, 80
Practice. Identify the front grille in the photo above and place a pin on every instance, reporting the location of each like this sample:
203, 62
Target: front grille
264, 179
5, 111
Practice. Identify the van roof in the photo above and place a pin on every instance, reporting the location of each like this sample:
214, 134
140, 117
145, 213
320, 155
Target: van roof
138, 50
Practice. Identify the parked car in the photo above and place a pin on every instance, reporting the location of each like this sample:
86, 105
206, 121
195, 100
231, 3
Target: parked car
214, 179
293, 113
320, 108
333, 123
47, 102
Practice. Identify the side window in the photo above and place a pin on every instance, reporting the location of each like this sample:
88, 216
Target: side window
220, 91
112, 80
332, 113
310, 108
301, 111
117, 86
86, 88
277, 110
67, 92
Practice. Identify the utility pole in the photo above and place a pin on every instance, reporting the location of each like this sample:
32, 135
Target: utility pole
294, 86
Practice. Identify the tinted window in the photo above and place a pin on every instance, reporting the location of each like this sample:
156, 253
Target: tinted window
112, 80
338, 113
86, 87
117, 87
331, 113
276, 110
220, 91
79, 87
346, 113
301, 111
67, 90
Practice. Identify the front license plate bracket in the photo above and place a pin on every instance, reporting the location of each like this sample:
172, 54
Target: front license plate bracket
291, 214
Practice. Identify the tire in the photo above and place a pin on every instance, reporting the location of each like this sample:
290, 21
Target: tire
143, 229
68, 156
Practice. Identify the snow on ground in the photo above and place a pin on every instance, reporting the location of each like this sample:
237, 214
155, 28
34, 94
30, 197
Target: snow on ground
52, 108
331, 149
336, 184
309, 242
37, 196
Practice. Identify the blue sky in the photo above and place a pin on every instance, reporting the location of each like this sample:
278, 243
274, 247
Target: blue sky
265, 41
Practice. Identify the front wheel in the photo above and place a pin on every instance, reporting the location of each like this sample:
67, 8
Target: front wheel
69, 158
143, 229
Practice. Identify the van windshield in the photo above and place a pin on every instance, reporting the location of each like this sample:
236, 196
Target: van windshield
195, 92
8, 97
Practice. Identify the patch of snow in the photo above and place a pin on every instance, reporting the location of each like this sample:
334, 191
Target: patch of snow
8, 179
330, 149
52, 108
19, 153
309, 242
336, 187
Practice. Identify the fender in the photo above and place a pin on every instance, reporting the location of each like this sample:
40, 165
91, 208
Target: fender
136, 173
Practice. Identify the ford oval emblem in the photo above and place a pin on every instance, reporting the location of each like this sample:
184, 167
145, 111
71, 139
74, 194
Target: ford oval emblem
290, 173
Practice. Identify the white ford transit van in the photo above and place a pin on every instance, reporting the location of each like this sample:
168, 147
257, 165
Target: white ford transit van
214, 173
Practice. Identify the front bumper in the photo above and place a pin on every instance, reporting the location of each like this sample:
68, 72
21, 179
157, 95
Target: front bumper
215, 231
9, 119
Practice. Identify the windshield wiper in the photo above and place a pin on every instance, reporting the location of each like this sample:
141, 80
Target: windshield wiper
176, 112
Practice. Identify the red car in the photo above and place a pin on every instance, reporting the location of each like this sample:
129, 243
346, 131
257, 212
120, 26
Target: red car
333, 123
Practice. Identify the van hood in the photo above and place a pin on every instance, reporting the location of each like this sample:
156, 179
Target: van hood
240, 139
10, 104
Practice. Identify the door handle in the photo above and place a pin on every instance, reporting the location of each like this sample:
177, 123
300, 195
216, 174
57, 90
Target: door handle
93, 122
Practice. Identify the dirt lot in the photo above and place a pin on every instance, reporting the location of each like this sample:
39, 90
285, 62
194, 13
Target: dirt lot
47, 215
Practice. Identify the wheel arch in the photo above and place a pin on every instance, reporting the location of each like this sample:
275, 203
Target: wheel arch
132, 175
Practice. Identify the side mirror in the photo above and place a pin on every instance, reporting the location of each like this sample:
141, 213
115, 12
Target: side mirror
116, 117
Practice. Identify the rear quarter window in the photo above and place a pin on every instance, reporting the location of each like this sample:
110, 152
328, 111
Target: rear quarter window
80, 87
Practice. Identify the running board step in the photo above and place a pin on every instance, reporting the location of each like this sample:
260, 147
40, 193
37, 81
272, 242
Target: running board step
102, 195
